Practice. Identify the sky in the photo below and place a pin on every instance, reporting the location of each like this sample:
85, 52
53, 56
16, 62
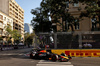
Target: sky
27, 5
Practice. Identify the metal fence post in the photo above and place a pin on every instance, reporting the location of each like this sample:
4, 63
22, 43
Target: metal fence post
80, 40
55, 41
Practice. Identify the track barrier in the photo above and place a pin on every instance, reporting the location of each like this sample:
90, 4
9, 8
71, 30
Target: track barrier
78, 52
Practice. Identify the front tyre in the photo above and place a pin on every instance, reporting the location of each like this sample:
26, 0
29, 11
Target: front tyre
54, 58
31, 56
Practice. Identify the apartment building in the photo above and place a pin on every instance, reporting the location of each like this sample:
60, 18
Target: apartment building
17, 13
12, 9
4, 21
84, 25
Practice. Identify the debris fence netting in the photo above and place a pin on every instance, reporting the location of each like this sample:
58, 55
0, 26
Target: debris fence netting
68, 40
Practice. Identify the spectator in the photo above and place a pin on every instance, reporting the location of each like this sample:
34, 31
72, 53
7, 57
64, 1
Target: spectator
86, 46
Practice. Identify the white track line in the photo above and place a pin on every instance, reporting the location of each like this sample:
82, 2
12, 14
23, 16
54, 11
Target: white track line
51, 63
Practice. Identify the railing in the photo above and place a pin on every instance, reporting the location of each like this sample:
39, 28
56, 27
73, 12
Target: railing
10, 47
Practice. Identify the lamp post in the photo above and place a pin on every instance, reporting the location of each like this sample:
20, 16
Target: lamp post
1, 41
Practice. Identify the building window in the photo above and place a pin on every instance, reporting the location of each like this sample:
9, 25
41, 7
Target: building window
8, 20
21, 38
76, 4
1, 24
4, 18
1, 17
16, 24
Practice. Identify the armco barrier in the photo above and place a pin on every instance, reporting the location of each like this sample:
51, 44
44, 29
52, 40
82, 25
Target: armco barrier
78, 52
10, 47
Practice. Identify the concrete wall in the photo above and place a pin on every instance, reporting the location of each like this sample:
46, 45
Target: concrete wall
85, 24
4, 6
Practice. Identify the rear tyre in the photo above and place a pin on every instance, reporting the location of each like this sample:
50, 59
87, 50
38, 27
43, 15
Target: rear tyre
54, 58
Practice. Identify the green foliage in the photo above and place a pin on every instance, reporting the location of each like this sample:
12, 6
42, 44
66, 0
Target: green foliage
8, 33
40, 21
9, 41
12, 33
91, 8
1, 38
29, 38
17, 36
9, 30
56, 9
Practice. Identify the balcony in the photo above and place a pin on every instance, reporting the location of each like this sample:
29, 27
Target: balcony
3, 35
1, 18
1, 25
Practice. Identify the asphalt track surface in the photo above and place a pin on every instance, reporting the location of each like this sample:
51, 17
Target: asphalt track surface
86, 61
16, 58
20, 58
51, 63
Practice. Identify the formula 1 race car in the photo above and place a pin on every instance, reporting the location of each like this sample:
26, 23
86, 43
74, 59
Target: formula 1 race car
38, 54
48, 55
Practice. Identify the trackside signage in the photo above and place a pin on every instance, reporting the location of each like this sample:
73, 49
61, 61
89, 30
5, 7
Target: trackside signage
78, 52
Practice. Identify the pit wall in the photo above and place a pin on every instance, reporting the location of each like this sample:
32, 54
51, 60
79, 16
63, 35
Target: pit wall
78, 52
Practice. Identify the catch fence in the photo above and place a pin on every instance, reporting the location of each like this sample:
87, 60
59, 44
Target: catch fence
68, 40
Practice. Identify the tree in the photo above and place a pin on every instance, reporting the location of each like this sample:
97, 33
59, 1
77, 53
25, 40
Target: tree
59, 9
40, 22
8, 33
17, 36
29, 38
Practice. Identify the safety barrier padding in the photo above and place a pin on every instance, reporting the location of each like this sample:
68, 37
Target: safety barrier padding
78, 52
